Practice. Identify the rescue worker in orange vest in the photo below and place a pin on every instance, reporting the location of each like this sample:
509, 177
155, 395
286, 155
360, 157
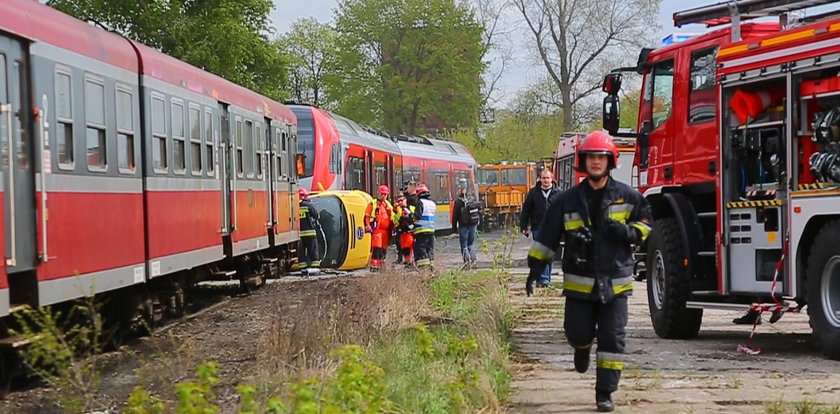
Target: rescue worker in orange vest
600, 219
405, 228
379, 221
308, 257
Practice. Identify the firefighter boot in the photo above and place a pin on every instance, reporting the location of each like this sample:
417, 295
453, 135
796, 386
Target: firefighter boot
751, 317
582, 359
604, 402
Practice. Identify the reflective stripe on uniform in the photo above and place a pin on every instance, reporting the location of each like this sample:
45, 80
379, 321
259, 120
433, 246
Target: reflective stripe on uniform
608, 360
422, 230
307, 233
620, 212
644, 228
575, 283
316, 263
622, 284
587, 346
423, 262
541, 252
572, 221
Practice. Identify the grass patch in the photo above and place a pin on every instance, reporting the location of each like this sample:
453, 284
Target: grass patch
371, 352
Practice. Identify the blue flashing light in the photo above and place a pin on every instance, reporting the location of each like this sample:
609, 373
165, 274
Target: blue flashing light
676, 38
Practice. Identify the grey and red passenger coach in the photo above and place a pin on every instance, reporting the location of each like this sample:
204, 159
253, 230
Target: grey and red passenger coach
340, 154
130, 172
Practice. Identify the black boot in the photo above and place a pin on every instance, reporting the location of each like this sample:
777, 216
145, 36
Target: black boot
582, 359
749, 318
604, 402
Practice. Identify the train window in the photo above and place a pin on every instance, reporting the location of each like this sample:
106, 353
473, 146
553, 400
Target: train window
239, 159
248, 148
488, 177
159, 156
259, 154
125, 131
515, 176
335, 159
380, 175
355, 174
280, 166
209, 142
462, 179
179, 153
440, 189
95, 119
64, 116
195, 139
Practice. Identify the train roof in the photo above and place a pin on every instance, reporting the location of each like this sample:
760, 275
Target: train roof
176, 72
424, 147
40, 23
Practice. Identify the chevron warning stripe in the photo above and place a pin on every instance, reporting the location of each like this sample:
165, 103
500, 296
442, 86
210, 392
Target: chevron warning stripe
814, 186
759, 203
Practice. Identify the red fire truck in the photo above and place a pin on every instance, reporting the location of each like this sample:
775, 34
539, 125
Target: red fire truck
738, 152
563, 162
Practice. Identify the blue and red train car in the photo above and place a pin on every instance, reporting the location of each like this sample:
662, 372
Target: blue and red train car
127, 171
343, 155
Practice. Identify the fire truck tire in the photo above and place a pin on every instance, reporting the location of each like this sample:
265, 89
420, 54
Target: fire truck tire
822, 289
668, 284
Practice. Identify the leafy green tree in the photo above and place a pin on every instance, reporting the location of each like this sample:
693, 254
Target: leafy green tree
311, 48
409, 64
515, 138
226, 37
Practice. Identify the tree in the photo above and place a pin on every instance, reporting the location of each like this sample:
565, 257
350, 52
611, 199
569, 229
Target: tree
408, 64
578, 41
235, 46
311, 47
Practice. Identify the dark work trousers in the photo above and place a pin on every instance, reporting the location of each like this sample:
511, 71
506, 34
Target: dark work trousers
586, 320
424, 245
308, 256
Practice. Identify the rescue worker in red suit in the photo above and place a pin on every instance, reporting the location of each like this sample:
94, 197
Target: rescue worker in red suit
405, 228
600, 219
379, 221
308, 258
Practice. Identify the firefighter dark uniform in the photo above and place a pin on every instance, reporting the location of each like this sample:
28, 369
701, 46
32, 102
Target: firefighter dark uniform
308, 257
424, 231
599, 227
405, 229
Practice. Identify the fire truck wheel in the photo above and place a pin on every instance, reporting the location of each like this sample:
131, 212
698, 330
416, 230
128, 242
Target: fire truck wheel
822, 289
668, 284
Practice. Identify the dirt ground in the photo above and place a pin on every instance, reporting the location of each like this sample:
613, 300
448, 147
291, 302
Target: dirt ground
703, 375
244, 334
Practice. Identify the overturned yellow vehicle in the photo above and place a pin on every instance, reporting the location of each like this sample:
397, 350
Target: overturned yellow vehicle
342, 241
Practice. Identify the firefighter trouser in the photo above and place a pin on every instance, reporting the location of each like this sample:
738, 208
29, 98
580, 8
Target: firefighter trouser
308, 255
587, 319
406, 245
424, 246
378, 257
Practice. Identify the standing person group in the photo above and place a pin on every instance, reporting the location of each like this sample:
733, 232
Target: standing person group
533, 212
379, 221
466, 215
600, 219
308, 256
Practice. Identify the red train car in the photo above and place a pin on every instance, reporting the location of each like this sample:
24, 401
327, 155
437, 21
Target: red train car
343, 155
130, 172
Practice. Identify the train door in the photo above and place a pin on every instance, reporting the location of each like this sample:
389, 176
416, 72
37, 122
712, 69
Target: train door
272, 175
227, 171
16, 148
389, 173
264, 170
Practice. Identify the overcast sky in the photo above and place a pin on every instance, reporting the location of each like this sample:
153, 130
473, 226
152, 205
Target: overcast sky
525, 70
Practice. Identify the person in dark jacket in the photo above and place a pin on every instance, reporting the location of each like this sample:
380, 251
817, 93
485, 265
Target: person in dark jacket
308, 258
600, 219
533, 211
465, 227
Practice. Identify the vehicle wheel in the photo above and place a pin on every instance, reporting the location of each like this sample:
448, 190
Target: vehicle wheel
822, 289
668, 285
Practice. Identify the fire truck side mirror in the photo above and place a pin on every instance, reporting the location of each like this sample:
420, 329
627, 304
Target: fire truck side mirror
610, 114
612, 83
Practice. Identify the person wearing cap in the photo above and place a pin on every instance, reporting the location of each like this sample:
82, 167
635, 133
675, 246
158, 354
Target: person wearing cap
600, 219
308, 257
379, 221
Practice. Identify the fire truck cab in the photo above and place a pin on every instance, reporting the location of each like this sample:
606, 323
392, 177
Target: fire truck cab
739, 154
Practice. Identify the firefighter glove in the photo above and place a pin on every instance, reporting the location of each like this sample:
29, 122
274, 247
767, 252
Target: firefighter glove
619, 231
583, 236
368, 229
